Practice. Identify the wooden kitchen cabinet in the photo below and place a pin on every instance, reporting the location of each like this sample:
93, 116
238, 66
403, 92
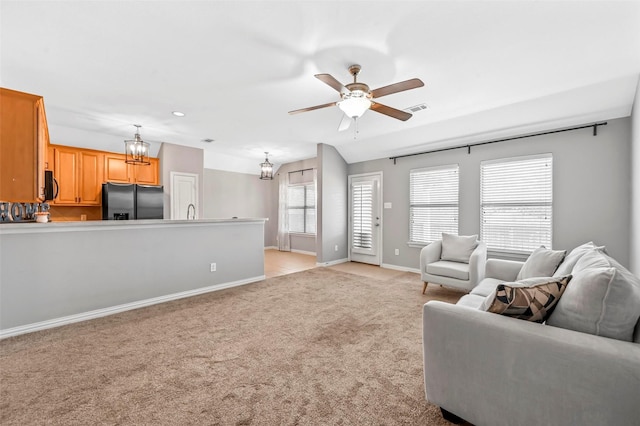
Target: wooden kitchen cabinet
23, 139
78, 173
116, 170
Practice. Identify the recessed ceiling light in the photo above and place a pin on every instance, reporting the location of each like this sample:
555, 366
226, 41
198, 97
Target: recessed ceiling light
178, 113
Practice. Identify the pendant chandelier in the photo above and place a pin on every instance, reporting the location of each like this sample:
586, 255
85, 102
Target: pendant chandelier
266, 172
136, 150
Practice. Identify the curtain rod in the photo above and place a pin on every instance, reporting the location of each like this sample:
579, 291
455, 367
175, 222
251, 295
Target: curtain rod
468, 146
303, 170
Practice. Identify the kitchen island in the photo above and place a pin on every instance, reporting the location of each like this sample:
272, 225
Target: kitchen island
58, 273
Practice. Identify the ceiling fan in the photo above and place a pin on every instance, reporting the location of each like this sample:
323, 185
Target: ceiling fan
356, 98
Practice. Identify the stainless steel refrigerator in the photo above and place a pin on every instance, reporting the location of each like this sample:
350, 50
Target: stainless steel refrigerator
124, 201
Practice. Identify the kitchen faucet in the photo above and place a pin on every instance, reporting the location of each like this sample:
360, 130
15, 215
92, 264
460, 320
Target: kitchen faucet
189, 209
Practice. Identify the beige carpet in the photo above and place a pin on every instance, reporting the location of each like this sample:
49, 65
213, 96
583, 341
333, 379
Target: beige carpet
315, 347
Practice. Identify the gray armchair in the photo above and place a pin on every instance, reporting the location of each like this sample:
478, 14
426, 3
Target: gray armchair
457, 274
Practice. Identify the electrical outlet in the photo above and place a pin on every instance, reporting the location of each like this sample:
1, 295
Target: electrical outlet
335, 248
397, 252
213, 267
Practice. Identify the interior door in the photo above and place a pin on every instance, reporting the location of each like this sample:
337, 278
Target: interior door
365, 219
184, 195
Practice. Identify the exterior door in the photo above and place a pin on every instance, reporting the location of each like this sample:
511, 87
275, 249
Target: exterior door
365, 218
184, 195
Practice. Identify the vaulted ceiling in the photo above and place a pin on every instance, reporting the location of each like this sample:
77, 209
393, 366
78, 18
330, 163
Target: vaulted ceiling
235, 68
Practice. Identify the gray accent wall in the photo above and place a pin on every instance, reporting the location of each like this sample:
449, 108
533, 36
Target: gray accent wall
76, 268
177, 158
332, 206
591, 184
229, 194
634, 249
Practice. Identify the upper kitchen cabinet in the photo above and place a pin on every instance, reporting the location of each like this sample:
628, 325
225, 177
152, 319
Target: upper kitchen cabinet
78, 173
116, 170
23, 140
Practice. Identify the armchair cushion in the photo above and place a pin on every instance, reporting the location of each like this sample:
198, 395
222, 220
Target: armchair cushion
458, 248
541, 263
445, 268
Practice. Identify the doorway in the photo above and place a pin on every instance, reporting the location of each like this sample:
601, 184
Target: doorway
365, 218
184, 195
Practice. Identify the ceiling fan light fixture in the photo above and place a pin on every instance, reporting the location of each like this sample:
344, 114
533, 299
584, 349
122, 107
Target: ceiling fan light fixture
355, 104
266, 168
136, 150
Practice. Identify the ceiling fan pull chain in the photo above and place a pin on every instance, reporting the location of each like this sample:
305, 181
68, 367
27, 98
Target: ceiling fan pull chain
355, 128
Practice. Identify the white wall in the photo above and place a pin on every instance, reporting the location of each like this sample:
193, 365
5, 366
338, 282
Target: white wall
634, 263
592, 178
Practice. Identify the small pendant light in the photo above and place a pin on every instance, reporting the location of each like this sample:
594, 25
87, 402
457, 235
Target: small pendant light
267, 168
136, 150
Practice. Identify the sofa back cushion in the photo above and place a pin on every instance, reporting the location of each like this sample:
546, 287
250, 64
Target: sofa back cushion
603, 298
458, 248
566, 267
541, 263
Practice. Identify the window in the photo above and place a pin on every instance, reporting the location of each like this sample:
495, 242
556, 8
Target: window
362, 213
302, 208
433, 199
516, 203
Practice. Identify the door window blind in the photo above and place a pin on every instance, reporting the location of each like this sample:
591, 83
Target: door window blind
516, 203
362, 200
433, 199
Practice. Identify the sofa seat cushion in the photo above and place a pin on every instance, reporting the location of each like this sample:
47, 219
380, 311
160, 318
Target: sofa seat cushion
602, 299
532, 299
486, 287
471, 301
445, 268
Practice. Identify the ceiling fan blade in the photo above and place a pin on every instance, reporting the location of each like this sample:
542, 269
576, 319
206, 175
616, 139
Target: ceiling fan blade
312, 108
397, 87
344, 123
331, 81
391, 112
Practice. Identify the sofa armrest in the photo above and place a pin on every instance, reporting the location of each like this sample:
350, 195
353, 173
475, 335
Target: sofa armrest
491, 369
501, 269
430, 253
477, 263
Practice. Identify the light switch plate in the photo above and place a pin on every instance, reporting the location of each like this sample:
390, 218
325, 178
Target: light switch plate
387, 205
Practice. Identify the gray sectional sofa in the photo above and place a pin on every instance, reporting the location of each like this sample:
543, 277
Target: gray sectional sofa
580, 367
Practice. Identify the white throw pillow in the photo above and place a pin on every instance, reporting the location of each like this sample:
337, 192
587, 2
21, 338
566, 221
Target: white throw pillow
458, 248
541, 263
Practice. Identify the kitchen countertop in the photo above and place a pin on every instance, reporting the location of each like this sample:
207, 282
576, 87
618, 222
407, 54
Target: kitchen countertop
34, 227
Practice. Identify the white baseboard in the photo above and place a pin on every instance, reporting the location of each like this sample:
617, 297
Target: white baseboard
271, 248
333, 262
400, 268
310, 253
57, 322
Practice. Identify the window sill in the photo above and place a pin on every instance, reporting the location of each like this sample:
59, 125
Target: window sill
302, 234
416, 244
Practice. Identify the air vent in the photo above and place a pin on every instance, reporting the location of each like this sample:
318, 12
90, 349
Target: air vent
417, 108
208, 140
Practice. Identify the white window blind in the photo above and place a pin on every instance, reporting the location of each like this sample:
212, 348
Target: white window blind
362, 200
302, 208
516, 203
433, 199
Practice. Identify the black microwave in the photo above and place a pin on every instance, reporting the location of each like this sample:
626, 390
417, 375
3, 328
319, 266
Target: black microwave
50, 186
